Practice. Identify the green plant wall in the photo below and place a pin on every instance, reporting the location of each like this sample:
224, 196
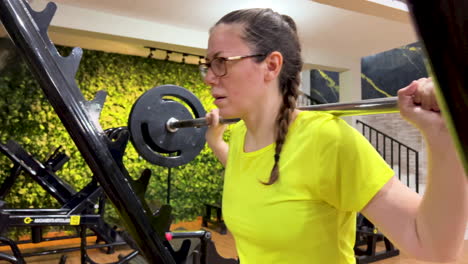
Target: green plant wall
28, 118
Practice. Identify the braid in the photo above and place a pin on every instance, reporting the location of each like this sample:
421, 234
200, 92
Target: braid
283, 121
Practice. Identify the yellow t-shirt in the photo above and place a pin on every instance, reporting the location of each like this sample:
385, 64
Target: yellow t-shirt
328, 172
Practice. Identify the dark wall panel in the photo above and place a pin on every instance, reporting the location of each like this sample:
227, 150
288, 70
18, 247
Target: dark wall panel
383, 74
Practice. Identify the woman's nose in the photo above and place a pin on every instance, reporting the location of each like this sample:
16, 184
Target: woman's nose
210, 78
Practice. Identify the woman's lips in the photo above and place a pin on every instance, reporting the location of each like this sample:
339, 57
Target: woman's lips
219, 100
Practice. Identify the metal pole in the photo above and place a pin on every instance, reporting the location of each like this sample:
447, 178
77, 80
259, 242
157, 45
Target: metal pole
168, 200
364, 107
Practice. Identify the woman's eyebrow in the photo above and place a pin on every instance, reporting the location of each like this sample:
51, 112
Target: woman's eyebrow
209, 58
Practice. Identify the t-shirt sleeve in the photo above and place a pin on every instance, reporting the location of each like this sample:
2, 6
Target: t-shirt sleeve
353, 171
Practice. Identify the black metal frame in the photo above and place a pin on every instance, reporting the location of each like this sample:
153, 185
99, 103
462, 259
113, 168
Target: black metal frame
367, 236
40, 218
44, 174
74, 204
219, 217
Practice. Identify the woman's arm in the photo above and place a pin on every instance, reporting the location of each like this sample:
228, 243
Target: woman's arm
432, 227
220, 150
214, 137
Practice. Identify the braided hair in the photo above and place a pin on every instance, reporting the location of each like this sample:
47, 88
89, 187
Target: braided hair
266, 31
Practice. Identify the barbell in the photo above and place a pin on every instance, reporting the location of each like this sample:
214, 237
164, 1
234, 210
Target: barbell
167, 123
364, 107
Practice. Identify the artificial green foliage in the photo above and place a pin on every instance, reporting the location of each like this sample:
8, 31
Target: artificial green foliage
28, 118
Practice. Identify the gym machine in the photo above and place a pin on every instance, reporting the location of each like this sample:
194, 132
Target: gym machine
77, 210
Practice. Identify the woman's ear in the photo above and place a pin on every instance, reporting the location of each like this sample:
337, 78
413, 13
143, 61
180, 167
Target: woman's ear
274, 63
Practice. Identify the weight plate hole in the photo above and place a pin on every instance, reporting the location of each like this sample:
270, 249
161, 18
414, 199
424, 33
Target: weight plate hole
150, 143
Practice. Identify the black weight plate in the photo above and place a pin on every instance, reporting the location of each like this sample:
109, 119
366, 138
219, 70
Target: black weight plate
147, 125
155, 130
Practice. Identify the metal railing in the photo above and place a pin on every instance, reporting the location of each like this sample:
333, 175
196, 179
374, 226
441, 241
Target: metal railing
403, 159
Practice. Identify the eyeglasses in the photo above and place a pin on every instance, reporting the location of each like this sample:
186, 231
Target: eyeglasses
218, 64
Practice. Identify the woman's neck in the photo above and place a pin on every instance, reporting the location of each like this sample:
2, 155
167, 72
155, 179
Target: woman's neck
261, 132
261, 123
261, 128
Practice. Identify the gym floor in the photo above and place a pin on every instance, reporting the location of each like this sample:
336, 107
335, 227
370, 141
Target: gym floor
224, 244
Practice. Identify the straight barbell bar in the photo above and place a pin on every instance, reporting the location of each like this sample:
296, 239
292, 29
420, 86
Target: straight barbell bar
157, 116
363, 107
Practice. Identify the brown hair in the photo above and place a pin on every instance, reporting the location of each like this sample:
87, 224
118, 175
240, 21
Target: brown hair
266, 31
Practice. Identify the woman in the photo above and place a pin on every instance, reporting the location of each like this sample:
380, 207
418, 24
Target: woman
295, 180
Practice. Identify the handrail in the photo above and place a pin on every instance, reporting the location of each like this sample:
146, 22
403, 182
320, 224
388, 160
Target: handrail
386, 135
400, 145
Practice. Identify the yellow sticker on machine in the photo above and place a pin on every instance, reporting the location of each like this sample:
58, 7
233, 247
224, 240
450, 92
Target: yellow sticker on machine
75, 220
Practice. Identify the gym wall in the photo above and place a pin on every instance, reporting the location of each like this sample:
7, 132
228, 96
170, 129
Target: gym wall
27, 117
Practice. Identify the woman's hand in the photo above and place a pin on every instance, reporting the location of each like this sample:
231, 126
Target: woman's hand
418, 105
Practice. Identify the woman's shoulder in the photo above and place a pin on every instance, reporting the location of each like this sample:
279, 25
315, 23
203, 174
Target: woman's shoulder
320, 125
324, 129
318, 121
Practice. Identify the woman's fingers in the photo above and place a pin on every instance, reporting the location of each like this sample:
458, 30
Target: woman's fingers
418, 104
407, 96
423, 94
212, 117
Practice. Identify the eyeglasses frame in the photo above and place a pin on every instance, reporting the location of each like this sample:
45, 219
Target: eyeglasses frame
204, 67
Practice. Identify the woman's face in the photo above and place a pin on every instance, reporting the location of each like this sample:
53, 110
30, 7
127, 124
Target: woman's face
239, 91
